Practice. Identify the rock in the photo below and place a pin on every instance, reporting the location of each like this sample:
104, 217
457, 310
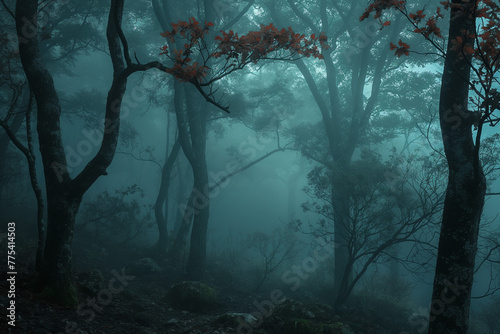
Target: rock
191, 296
296, 309
173, 321
144, 266
304, 326
233, 320
90, 282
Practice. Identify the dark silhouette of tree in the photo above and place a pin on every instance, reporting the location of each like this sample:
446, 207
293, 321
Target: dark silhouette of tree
202, 62
20, 101
382, 214
471, 63
64, 194
356, 69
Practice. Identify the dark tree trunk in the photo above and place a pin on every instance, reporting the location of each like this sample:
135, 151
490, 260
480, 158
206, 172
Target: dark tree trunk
179, 242
162, 198
197, 120
55, 273
29, 153
342, 271
465, 191
198, 246
64, 194
343, 139
5, 139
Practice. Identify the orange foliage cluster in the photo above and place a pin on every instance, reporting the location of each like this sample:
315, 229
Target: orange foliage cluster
252, 47
379, 6
483, 45
487, 42
402, 49
184, 68
258, 45
428, 30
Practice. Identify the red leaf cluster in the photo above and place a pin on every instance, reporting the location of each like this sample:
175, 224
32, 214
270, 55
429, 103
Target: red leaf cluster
192, 32
487, 50
482, 46
379, 6
429, 30
266, 43
260, 44
401, 50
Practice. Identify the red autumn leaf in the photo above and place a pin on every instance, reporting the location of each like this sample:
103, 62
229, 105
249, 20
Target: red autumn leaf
266, 43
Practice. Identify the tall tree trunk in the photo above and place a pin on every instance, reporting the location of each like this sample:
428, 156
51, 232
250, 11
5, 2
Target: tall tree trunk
5, 139
466, 186
162, 198
342, 270
183, 180
64, 194
179, 242
192, 135
55, 273
198, 246
29, 153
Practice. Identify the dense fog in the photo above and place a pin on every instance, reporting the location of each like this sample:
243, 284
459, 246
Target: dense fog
250, 166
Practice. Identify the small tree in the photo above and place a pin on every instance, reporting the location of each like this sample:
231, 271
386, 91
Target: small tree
119, 218
269, 253
384, 210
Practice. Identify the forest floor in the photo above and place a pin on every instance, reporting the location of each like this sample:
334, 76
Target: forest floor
114, 299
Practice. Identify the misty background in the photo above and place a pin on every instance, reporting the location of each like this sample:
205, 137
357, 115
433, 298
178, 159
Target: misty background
280, 205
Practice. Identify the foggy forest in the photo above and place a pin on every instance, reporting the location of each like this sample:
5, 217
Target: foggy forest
250, 166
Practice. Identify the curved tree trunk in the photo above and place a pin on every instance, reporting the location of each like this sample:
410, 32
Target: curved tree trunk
162, 198
29, 154
466, 186
201, 201
64, 194
179, 242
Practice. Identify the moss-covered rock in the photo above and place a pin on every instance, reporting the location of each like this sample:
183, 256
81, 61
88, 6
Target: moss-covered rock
90, 282
299, 310
306, 326
191, 296
233, 320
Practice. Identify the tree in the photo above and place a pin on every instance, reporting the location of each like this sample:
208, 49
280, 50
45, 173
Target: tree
347, 93
116, 219
19, 98
195, 60
64, 194
268, 253
381, 214
469, 49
